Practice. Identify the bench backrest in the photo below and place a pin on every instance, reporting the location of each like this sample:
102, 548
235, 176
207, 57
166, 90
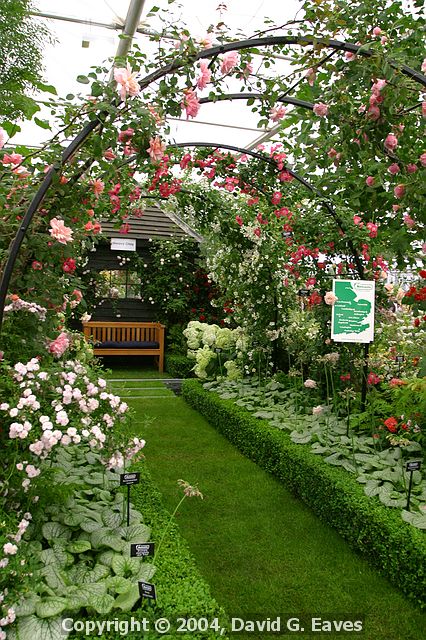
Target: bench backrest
124, 331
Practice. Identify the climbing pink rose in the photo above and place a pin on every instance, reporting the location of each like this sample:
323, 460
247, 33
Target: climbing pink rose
126, 135
229, 60
424, 109
3, 135
369, 181
383, 40
357, 219
277, 113
393, 169
59, 231
391, 142
190, 103
377, 31
399, 191
423, 159
373, 112
408, 220
372, 228
411, 168
311, 75
349, 56
320, 109
127, 79
205, 75
156, 149
59, 345
330, 298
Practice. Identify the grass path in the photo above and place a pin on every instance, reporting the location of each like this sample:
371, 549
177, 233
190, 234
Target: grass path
264, 553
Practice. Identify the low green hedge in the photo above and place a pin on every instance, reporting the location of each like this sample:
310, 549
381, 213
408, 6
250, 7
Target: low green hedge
181, 590
396, 548
179, 366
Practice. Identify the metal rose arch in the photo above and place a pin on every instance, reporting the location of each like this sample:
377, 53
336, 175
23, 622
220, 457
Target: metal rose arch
213, 52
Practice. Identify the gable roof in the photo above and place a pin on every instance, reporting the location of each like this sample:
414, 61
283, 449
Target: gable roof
154, 223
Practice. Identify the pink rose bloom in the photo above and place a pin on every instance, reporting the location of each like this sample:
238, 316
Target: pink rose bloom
12, 158
399, 191
349, 56
59, 345
330, 298
391, 142
126, 135
3, 135
276, 197
373, 112
311, 75
424, 66
396, 207
408, 220
320, 109
372, 228
156, 149
369, 181
207, 41
97, 186
229, 60
205, 75
424, 109
10, 549
393, 169
127, 79
357, 219
423, 159
59, 231
373, 378
277, 113
190, 103
377, 31
310, 384
109, 154
411, 168
378, 86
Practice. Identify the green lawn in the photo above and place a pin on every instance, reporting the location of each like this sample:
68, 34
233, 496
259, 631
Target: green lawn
263, 552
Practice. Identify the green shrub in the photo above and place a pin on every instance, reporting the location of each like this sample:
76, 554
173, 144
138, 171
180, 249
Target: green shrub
397, 549
178, 366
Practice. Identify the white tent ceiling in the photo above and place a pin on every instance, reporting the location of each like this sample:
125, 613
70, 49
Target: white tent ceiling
87, 34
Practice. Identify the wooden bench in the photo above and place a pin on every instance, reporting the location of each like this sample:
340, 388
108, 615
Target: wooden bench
126, 339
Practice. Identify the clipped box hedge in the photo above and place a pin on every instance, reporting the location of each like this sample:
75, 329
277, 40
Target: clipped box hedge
179, 366
396, 548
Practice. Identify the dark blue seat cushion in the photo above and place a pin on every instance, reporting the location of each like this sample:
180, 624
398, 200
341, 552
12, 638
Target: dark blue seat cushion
129, 344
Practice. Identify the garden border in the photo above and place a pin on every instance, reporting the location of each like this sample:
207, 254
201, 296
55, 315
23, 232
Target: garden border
395, 548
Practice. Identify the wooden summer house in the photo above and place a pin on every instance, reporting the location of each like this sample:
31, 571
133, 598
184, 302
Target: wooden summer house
121, 296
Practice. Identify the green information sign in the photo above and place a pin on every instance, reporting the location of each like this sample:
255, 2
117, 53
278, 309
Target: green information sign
352, 317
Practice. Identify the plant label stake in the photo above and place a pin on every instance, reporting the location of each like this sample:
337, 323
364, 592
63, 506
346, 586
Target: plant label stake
399, 360
411, 466
147, 590
126, 480
142, 550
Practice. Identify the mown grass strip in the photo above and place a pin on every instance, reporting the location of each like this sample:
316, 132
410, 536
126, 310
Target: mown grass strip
264, 553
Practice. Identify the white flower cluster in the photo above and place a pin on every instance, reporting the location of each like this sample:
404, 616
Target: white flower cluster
213, 348
30, 307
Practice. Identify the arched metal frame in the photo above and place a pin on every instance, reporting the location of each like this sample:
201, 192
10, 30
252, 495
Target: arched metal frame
213, 52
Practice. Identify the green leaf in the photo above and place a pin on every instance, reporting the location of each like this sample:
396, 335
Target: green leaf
101, 604
83, 79
126, 601
27, 606
53, 530
118, 584
54, 577
50, 607
106, 557
79, 546
415, 518
146, 572
112, 519
372, 488
134, 533
48, 88
32, 628
105, 538
124, 566
44, 124
91, 525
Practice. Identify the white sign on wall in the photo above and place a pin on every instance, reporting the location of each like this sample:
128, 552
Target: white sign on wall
123, 244
352, 318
